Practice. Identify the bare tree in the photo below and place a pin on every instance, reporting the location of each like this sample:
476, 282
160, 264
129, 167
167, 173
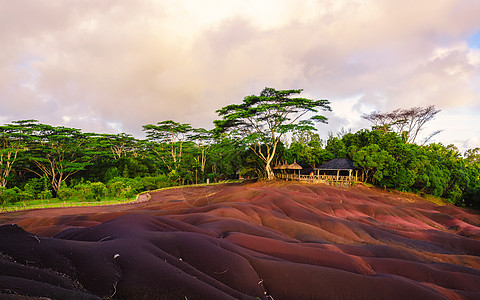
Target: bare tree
406, 122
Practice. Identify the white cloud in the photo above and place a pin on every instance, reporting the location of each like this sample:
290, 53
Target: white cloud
473, 142
124, 64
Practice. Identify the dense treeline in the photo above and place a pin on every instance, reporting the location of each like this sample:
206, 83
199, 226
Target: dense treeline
388, 161
42, 161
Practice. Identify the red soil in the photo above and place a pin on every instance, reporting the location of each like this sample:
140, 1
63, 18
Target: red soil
280, 241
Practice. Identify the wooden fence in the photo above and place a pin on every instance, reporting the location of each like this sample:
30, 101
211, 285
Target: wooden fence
329, 179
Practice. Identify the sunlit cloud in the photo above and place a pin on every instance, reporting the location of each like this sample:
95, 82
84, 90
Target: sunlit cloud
118, 65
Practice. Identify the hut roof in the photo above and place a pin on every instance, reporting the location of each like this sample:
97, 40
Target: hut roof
294, 166
337, 164
281, 166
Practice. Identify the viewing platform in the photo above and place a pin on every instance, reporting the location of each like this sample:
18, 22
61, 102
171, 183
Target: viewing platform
339, 180
339, 172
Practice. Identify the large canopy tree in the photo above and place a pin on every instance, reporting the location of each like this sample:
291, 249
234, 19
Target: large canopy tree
59, 152
120, 145
167, 141
13, 140
261, 121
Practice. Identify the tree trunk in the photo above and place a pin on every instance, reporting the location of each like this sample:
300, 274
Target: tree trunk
204, 161
268, 166
269, 171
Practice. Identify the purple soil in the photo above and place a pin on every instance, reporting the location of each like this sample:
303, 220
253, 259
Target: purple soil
254, 241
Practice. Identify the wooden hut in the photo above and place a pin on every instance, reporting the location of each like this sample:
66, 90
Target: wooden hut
339, 168
283, 168
280, 167
294, 167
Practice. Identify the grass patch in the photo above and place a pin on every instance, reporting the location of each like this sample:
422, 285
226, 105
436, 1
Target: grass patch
56, 202
77, 201
436, 200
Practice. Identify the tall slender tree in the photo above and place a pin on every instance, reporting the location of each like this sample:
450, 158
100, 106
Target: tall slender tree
203, 140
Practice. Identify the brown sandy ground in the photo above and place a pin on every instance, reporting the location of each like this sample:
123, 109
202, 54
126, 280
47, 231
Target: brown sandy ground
253, 241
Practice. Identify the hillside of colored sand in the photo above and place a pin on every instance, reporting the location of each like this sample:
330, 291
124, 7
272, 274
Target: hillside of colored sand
251, 241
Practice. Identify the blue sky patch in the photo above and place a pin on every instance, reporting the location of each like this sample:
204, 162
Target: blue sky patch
474, 40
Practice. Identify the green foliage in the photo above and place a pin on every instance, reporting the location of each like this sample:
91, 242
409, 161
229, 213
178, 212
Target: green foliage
65, 193
174, 176
225, 157
99, 190
306, 147
388, 161
252, 166
9, 196
376, 163
336, 147
472, 155
35, 186
45, 195
111, 173
150, 183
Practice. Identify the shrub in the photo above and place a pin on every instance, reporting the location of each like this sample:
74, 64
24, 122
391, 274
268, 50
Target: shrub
99, 190
111, 173
8, 196
25, 195
128, 192
115, 187
174, 176
149, 183
65, 193
45, 195
162, 181
84, 191
34, 187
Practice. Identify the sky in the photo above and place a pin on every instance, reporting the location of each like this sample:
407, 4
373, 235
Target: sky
111, 66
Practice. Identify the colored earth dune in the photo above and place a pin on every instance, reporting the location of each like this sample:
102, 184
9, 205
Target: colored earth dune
245, 241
